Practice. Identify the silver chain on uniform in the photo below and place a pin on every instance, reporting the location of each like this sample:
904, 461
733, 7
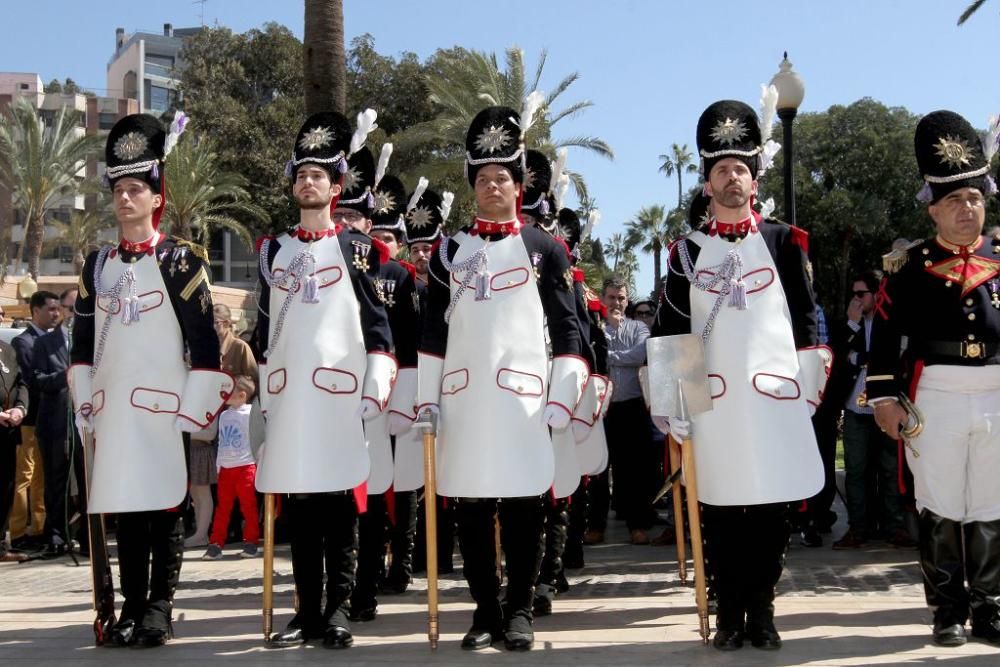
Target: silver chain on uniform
113, 295
473, 265
293, 279
721, 276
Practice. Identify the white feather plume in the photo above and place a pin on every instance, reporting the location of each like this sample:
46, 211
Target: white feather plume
177, 127
559, 193
768, 109
366, 123
417, 194
991, 139
445, 208
383, 163
767, 153
558, 167
767, 208
593, 219
532, 103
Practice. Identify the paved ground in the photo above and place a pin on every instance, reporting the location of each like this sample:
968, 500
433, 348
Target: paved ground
626, 607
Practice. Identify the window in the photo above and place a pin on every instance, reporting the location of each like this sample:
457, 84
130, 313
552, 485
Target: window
24, 86
106, 120
159, 98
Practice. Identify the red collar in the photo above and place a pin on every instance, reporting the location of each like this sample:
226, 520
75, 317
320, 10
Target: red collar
955, 249
142, 246
306, 236
738, 229
486, 227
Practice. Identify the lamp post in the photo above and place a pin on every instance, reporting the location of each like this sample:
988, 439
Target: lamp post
791, 90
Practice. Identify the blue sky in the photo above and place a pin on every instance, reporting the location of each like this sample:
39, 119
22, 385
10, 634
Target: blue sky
650, 66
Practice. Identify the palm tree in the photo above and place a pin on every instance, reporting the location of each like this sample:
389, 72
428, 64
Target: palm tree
970, 10
627, 269
83, 229
616, 247
324, 62
40, 166
679, 160
201, 197
650, 232
462, 82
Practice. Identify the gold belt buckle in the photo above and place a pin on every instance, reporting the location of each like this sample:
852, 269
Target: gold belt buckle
973, 350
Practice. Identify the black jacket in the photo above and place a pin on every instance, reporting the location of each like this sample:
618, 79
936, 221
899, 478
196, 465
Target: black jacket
13, 392
24, 346
51, 359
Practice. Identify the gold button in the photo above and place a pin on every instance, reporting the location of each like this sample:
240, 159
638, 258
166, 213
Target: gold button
969, 302
510, 283
451, 388
520, 388
926, 251
756, 282
972, 316
156, 406
947, 283
927, 262
972, 336
333, 387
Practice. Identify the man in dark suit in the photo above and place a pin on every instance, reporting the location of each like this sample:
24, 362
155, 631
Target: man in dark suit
57, 443
29, 484
13, 401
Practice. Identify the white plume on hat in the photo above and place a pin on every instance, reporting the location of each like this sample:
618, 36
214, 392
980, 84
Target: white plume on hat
366, 124
418, 193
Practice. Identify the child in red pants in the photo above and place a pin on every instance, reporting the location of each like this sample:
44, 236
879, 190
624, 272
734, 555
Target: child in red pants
237, 470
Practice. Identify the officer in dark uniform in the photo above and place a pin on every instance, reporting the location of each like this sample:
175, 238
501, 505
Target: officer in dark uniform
321, 428
495, 168
14, 401
128, 319
394, 285
944, 297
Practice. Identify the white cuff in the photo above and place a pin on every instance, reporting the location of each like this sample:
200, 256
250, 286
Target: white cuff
404, 396
814, 369
567, 380
380, 376
430, 368
204, 393
607, 398
588, 410
80, 385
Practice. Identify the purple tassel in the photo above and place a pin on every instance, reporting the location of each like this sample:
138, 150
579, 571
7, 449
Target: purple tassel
543, 208
288, 169
154, 172
105, 181
926, 195
738, 294
342, 166
991, 185
370, 200
311, 292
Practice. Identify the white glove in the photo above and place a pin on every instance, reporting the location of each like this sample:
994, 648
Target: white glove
679, 428
662, 424
84, 423
399, 424
556, 417
185, 425
368, 409
580, 430
812, 408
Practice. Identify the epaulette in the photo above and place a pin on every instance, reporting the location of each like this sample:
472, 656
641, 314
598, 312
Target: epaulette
410, 268
199, 251
384, 254
578, 276
260, 241
894, 260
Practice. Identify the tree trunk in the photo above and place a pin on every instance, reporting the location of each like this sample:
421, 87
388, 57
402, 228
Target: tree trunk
680, 187
33, 243
656, 269
323, 59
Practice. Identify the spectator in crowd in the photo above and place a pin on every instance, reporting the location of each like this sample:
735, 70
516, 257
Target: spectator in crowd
632, 463
58, 440
13, 407
864, 442
27, 520
237, 469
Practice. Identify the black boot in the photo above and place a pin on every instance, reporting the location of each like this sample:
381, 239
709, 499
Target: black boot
372, 535
401, 538
551, 577
944, 577
762, 568
522, 535
167, 547
982, 565
477, 540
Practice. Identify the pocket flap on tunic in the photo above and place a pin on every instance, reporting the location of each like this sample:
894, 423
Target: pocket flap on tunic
155, 400
454, 382
335, 381
522, 384
777, 386
97, 402
276, 381
509, 279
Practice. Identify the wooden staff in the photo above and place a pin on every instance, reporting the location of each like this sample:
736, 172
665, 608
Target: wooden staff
697, 554
430, 508
268, 565
675, 464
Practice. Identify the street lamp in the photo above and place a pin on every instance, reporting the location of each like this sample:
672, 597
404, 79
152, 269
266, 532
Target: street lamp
791, 90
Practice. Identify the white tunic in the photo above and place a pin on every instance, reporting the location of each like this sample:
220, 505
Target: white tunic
757, 443
311, 385
492, 441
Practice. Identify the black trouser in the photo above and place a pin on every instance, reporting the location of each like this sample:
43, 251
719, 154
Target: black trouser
324, 531
578, 512
402, 534
633, 465
56, 464
8, 465
521, 521
825, 427
556, 528
445, 535
372, 535
746, 546
148, 586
